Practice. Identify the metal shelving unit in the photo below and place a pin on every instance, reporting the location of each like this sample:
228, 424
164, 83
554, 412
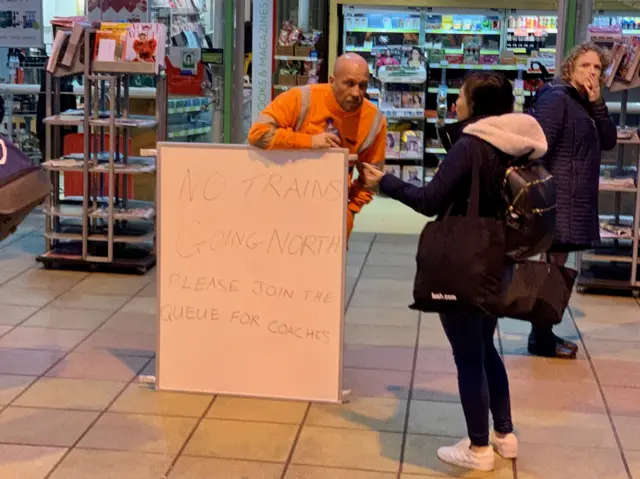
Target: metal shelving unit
104, 228
614, 265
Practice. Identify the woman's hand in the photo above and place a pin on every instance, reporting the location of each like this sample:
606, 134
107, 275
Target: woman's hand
592, 87
370, 175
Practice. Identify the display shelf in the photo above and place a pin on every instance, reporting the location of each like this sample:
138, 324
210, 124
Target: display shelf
383, 30
462, 32
435, 150
465, 66
68, 211
551, 31
293, 58
448, 121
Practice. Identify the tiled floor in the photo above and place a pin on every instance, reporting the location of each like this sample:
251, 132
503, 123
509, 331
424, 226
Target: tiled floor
73, 344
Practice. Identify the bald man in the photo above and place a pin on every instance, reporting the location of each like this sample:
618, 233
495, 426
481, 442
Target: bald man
333, 115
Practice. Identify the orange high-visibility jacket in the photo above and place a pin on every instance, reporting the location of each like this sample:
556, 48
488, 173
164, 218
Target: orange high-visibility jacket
296, 115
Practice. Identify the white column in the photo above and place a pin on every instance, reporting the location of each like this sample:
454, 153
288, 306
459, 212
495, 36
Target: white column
217, 22
261, 66
303, 15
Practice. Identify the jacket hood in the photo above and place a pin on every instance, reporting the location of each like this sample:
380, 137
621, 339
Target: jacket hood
515, 134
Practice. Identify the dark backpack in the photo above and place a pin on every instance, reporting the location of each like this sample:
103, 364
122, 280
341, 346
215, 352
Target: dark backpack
23, 186
529, 191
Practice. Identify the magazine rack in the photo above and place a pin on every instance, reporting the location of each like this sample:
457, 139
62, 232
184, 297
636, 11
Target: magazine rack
103, 227
613, 266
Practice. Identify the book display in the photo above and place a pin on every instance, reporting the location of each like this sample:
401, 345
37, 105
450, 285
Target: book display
105, 227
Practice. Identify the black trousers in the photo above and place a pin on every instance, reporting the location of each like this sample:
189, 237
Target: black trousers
482, 377
547, 332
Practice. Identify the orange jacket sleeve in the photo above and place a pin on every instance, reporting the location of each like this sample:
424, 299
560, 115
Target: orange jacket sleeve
375, 155
274, 129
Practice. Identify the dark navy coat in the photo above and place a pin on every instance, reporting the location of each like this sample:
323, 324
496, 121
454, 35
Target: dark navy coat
577, 132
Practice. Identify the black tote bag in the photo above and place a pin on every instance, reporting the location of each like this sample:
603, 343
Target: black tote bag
460, 260
536, 292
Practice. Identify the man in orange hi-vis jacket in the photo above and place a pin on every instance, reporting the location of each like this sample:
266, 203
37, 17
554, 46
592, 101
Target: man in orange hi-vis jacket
304, 117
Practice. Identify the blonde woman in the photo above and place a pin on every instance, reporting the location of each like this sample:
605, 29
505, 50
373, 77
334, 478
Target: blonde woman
578, 128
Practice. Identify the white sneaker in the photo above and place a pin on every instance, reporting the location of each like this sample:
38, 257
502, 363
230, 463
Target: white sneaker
506, 446
461, 455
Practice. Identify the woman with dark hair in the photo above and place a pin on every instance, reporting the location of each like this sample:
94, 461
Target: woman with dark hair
491, 135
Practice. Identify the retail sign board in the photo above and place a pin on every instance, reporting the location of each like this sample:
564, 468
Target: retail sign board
21, 23
262, 56
251, 257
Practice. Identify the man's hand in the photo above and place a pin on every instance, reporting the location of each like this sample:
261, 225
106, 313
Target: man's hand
592, 87
325, 140
370, 175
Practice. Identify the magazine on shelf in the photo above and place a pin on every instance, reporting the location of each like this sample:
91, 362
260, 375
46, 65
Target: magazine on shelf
629, 64
392, 170
74, 51
110, 40
411, 145
58, 49
138, 213
414, 175
617, 54
393, 144
145, 42
413, 99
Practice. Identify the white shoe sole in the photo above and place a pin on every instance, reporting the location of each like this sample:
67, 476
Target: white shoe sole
466, 465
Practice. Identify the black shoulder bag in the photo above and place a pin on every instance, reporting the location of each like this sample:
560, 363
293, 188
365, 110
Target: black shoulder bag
461, 260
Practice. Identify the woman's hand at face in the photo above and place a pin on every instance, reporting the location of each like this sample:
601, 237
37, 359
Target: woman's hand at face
370, 175
592, 87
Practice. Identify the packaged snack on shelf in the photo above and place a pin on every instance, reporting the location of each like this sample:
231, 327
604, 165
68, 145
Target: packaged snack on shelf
411, 145
393, 144
442, 105
414, 175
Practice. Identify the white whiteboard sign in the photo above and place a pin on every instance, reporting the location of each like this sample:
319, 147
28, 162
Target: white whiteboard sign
262, 56
21, 23
251, 271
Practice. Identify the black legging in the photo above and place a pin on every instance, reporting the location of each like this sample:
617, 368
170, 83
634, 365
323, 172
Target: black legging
482, 377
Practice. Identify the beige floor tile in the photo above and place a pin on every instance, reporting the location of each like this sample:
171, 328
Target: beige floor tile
376, 383
395, 249
437, 419
381, 317
27, 362
28, 462
13, 315
434, 338
355, 259
26, 296
565, 329
435, 360
564, 428
77, 394
141, 305
392, 259
614, 350
142, 399
613, 372
603, 309
628, 429
112, 284
206, 467
24, 337
381, 300
58, 281
378, 357
376, 414
372, 285
15, 262
430, 321
4, 329
311, 472
65, 318
124, 323
11, 386
388, 272
252, 409
610, 332
380, 335
98, 366
353, 272
516, 345
85, 464
43, 427
400, 238
420, 459
149, 291
344, 448
139, 433
548, 369
538, 461
558, 396
242, 440
432, 386
633, 459
623, 401
359, 246
130, 344
77, 300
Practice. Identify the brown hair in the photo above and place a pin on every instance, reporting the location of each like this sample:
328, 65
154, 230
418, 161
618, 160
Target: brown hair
569, 63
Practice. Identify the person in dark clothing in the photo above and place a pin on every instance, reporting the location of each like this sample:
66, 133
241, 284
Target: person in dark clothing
578, 128
490, 134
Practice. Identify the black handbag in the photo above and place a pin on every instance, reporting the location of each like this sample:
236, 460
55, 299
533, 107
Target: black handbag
460, 260
536, 292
